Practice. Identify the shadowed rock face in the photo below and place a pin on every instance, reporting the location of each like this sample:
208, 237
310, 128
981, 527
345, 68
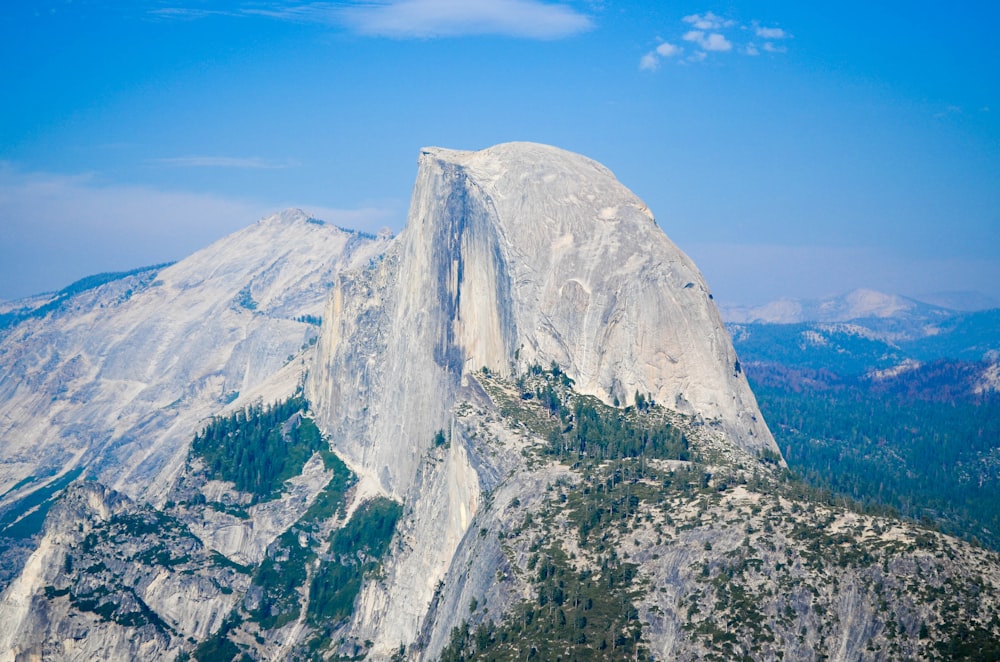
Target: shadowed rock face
516, 255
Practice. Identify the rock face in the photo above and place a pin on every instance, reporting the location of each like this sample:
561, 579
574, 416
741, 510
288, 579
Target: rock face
113, 383
119, 378
185, 593
516, 255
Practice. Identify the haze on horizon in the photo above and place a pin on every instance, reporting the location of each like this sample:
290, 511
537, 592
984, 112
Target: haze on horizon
791, 150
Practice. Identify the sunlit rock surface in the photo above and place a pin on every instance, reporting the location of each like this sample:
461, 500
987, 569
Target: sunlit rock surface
424, 379
516, 255
119, 379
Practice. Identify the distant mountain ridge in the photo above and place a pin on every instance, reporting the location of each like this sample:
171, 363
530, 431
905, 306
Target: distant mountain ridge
856, 304
863, 332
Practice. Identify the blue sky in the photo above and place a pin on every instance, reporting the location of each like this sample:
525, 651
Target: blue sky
792, 149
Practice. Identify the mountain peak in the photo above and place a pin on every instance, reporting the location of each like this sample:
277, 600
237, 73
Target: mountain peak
290, 216
524, 158
513, 256
869, 303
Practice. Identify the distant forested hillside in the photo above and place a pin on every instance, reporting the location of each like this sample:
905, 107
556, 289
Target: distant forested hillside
911, 426
937, 461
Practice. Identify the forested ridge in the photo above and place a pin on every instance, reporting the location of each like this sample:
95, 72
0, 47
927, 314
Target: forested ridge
260, 447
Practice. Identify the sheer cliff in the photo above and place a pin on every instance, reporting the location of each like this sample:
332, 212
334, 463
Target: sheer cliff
517, 255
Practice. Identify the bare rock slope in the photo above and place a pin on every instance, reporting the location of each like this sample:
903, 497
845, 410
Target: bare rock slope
119, 378
516, 256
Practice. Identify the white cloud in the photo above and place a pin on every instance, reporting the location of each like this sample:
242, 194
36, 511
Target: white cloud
708, 42
667, 49
712, 33
402, 19
253, 162
716, 42
408, 19
708, 21
651, 60
771, 33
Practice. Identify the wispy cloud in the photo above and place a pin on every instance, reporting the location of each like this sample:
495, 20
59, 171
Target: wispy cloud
709, 34
422, 19
187, 13
952, 110
253, 162
530, 19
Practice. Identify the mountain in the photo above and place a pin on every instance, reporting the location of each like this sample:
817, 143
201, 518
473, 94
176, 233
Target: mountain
522, 432
117, 378
116, 374
515, 256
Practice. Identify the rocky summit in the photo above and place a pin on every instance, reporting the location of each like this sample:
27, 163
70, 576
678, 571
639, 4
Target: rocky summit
518, 430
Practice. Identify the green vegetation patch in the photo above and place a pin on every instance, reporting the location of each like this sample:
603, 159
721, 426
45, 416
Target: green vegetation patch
355, 551
933, 461
259, 448
276, 591
581, 426
577, 614
275, 588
